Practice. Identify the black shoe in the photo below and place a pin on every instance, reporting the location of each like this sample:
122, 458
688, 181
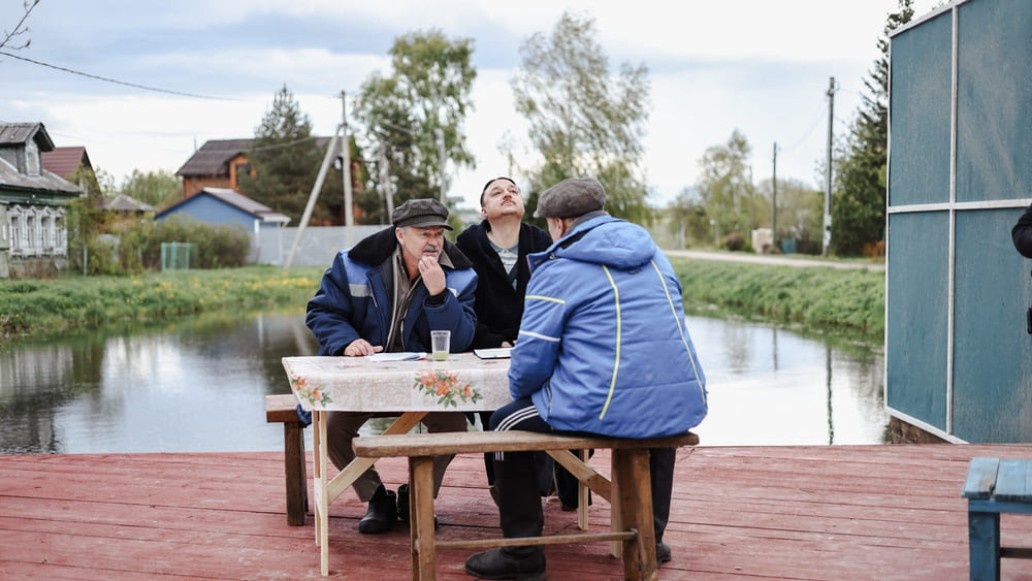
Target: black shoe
663, 553
403, 506
382, 513
496, 564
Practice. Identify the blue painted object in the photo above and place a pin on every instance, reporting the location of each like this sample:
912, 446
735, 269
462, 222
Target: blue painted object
995, 486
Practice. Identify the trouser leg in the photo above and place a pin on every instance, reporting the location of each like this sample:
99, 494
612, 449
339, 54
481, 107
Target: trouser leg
519, 500
341, 429
661, 468
443, 422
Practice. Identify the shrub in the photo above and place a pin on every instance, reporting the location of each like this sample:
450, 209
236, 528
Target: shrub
218, 246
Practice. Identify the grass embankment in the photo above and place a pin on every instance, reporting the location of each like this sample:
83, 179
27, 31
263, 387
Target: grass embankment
45, 307
816, 299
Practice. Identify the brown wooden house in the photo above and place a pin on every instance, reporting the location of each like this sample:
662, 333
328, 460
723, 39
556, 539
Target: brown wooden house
219, 163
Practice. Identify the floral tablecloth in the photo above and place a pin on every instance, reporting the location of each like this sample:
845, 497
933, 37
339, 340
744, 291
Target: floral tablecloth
463, 382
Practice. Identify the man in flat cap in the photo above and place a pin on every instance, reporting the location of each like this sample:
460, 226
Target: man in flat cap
387, 294
602, 349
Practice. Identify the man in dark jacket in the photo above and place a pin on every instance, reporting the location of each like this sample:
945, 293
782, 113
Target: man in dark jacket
498, 247
387, 294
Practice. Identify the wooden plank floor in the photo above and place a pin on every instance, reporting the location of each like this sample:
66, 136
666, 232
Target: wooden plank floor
808, 512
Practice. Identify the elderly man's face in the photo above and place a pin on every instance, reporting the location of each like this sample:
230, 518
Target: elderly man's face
417, 242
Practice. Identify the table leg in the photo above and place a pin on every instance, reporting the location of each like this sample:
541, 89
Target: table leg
321, 500
984, 545
327, 490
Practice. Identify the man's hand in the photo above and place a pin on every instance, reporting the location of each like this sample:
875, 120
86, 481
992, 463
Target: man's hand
360, 348
433, 275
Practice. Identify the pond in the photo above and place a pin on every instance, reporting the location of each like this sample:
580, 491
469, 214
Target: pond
198, 385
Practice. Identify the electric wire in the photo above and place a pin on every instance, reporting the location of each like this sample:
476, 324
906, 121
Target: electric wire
114, 81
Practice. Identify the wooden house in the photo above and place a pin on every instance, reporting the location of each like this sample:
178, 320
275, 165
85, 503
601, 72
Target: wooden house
219, 163
33, 229
64, 161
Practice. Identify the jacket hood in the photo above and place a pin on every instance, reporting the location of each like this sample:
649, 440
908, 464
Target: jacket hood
607, 240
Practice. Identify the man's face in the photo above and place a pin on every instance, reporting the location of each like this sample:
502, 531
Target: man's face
501, 198
417, 242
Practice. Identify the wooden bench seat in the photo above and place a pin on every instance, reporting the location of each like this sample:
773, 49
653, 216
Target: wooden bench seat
994, 486
629, 493
283, 409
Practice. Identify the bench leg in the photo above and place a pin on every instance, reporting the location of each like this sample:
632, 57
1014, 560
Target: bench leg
294, 469
984, 545
632, 487
421, 517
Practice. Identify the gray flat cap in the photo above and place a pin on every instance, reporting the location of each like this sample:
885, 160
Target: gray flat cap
421, 213
571, 198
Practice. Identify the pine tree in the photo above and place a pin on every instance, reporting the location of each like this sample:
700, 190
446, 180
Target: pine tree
858, 208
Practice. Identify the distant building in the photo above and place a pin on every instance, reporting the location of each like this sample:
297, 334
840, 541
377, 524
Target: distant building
63, 161
33, 231
224, 207
219, 163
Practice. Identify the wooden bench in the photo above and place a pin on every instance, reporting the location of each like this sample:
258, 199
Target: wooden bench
283, 409
995, 486
631, 503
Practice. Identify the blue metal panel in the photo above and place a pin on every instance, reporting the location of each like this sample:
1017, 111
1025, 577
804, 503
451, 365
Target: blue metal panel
992, 362
209, 209
919, 163
994, 100
916, 317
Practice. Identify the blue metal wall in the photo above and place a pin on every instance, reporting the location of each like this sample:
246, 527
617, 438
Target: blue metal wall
958, 358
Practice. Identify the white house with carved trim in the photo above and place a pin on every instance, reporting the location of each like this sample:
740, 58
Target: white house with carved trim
33, 228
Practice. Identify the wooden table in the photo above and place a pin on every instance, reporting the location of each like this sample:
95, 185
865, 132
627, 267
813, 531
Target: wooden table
463, 383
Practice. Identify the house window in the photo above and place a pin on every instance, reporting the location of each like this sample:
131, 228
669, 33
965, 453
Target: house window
60, 236
15, 222
46, 234
31, 234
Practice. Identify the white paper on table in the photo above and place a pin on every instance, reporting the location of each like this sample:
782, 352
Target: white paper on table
403, 356
498, 353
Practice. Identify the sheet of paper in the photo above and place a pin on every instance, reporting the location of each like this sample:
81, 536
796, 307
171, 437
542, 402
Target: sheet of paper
404, 356
498, 353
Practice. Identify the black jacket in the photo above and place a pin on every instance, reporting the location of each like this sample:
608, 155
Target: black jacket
499, 307
1021, 234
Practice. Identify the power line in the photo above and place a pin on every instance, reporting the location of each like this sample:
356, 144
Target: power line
115, 81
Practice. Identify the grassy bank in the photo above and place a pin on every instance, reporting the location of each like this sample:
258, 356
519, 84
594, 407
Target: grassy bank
821, 299
45, 307
812, 298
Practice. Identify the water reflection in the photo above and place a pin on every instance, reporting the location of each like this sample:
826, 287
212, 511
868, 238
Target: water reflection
198, 385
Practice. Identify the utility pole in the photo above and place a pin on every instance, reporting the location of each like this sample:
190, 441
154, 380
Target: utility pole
439, 133
349, 210
774, 201
385, 180
827, 190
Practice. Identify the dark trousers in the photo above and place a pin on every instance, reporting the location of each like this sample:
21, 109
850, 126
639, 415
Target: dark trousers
519, 502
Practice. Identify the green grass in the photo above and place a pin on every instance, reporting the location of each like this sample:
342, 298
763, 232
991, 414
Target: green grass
812, 299
44, 307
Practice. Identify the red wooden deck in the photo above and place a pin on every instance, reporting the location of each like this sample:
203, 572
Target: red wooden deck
842, 512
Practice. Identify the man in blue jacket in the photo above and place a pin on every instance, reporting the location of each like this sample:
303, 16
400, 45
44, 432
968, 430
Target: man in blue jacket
603, 349
387, 294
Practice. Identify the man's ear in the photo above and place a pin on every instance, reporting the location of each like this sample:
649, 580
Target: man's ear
398, 234
483, 212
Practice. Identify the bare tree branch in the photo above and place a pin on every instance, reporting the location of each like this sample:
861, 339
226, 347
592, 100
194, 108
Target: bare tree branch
20, 28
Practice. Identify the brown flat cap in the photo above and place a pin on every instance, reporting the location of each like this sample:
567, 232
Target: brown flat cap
421, 213
571, 198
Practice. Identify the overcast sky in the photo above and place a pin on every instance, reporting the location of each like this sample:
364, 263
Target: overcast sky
759, 66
